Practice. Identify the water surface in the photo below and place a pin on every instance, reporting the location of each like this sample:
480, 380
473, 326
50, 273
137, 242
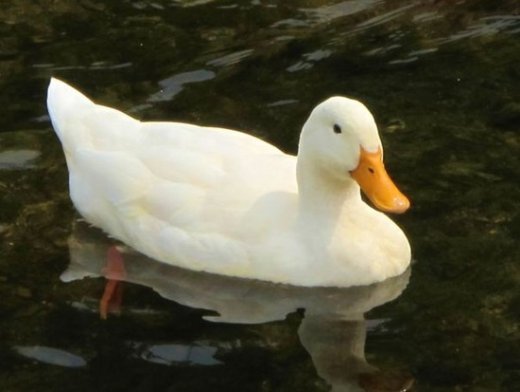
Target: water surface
441, 79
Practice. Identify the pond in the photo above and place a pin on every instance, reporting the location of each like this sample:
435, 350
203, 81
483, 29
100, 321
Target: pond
441, 79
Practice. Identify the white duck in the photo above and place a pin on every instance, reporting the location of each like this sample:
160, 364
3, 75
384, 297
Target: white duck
222, 201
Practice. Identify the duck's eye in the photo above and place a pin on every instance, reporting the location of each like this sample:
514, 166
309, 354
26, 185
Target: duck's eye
371, 170
337, 128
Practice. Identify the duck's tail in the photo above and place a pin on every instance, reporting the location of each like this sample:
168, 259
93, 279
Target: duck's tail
81, 123
63, 103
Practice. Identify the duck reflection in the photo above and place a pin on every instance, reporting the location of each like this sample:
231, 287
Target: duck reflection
333, 330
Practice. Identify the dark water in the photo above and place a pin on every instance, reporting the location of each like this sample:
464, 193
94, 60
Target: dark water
442, 79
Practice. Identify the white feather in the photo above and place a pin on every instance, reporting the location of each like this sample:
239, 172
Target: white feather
223, 201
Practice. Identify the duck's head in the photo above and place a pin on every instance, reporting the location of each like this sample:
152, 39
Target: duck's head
341, 139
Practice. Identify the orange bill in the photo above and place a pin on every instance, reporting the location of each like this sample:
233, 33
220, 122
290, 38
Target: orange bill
377, 184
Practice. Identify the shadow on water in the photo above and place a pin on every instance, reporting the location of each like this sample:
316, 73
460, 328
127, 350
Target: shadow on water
441, 79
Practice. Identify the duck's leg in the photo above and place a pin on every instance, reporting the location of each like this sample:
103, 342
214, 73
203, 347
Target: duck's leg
114, 272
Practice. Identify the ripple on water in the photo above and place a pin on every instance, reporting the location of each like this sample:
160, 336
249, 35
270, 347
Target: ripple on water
173, 85
176, 353
231, 58
51, 356
18, 159
345, 8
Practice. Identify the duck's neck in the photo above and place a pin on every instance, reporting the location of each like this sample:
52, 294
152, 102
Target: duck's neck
323, 196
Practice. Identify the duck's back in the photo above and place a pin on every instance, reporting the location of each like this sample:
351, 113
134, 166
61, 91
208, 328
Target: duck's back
79, 122
177, 192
